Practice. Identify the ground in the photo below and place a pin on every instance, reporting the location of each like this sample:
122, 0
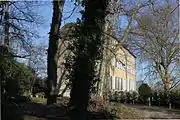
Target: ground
40, 111
156, 112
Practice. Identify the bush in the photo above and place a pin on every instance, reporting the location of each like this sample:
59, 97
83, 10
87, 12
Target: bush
98, 105
63, 100
134, 96
158, 98
175, 99
117, 96
155, 98
16, 78
123, 97
22, 99
38, 100
40, 94
163, 98
144, 93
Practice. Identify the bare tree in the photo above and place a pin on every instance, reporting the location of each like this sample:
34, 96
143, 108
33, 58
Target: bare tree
18, 25
156, 40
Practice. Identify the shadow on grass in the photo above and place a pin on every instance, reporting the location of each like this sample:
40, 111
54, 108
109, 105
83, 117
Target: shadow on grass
38, 111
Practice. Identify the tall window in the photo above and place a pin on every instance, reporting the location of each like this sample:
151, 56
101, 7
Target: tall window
127, 85
118, 83
121, 84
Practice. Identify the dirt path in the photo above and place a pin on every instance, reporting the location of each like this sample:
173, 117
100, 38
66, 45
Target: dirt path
157, 112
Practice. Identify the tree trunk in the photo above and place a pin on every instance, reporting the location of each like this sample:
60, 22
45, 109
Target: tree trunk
4, 44
52, 51
88, 46
6, 26
105, 65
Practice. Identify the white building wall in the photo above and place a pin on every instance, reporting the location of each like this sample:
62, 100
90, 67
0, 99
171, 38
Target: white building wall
119, 83
134, 85
124, 85
131, 85
127, 85
113, 82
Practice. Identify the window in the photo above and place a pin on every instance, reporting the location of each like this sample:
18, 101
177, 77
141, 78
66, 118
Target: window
124, 84
116, 83
127, 85
121, 84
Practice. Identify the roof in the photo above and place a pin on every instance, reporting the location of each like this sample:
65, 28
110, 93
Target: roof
67, 30
125, 47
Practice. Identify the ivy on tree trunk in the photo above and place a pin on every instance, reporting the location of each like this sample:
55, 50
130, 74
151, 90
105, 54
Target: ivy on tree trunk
88, 49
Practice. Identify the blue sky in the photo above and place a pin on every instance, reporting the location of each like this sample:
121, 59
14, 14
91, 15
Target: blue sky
46, 12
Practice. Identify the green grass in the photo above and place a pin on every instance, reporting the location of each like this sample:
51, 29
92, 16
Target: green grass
38, 99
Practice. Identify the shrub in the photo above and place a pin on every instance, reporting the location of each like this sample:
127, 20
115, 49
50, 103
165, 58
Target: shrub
117, 96
144, 93
175, 99
122, 95
163, 98
158, 98
155, 98
63, 100
100, 106
16, 78
96, 104
40, 94
134, 96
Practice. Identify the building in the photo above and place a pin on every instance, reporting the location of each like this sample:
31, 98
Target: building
122, 70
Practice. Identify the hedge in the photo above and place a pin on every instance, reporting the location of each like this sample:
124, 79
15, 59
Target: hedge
157, 98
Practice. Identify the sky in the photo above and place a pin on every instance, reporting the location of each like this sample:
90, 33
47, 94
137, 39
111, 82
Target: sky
46, 12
